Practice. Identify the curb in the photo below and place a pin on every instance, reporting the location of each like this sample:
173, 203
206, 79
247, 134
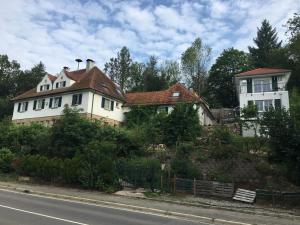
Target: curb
121, 206
210, 220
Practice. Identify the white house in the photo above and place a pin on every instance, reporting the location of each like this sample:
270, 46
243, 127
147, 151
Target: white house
95, 94
264, 87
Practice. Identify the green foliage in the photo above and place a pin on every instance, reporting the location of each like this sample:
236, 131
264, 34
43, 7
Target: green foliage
182, 124
139, 115
6, 158
140, 172
98, 165
221, 87
119, 68
265, 41
194, 62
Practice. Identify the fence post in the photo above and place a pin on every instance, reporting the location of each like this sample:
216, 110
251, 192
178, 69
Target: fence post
174, 188
194, 187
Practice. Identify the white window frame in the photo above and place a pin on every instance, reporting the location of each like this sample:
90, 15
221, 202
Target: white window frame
176, 94
23, 107
264, 105
39, 104
262, 85
55, 103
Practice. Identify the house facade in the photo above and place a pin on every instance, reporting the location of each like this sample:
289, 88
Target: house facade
263, 87
91, 91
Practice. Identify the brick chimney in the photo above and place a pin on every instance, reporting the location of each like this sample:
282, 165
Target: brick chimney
89, 64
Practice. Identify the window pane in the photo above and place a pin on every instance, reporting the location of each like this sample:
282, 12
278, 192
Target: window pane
268, 104
260, 105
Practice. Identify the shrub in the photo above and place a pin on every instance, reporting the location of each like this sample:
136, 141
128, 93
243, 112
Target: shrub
184, 168
140, 172
6, 157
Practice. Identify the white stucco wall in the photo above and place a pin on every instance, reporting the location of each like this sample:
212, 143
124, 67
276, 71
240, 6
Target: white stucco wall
63, 77
44, 81
117, 114
283, 95
66, 99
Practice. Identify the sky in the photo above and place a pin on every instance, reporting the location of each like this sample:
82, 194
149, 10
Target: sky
57, 32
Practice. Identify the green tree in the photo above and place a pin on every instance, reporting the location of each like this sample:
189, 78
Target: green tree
152, 80
182, 124
170, 72
136, 76
221, 87
265, 42
194, 62
119, 68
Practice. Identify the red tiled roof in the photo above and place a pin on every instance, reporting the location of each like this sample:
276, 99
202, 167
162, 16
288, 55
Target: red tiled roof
51, 77
93, 79
261, 71
162, 97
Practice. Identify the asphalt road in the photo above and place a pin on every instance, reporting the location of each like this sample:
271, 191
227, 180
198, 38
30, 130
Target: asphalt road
25, 209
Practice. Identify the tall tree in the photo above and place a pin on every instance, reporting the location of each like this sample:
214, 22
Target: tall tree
221, 89
152, 80
170, 72
119, 68
194, 62
136, 76
265, 42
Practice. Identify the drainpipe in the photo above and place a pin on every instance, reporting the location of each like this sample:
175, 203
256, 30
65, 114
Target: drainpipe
92, 105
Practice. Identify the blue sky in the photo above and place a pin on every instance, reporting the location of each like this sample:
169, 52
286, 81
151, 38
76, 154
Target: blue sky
58, 31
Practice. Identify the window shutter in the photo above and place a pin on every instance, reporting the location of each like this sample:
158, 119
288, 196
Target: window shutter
43, 104
50, 103
34, 105
274, 83
80, 99
26, 106
249, 85
102, 103
41, 88
56, 85
112, 104
64, 83
277, 103
74, 99
59, 101
19, 107
250, 103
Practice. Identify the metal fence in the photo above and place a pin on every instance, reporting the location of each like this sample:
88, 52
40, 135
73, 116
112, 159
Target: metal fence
202, 187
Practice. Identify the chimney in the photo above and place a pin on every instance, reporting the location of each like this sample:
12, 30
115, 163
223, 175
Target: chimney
66, 68
89, 64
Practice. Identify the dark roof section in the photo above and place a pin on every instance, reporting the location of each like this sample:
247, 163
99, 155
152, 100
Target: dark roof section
262, 71
93, 79
51, 77
162, 97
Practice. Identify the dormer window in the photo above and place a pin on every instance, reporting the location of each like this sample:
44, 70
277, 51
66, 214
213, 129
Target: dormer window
176, 94
60, 84
45, 87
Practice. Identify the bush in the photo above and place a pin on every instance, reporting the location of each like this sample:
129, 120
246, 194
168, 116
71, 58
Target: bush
184, 168
140, 172
6, 158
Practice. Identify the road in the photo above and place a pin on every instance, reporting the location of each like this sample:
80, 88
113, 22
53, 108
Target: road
25, 209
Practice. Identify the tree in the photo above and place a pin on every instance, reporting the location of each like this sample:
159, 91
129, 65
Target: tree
221, 88
152, 80
266, 41
170, 72
194, 62
119, 68
136, 76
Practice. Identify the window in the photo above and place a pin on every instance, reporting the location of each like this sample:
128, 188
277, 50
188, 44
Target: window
76, 99
264, 105
117, 105
162, 109
45, 87
60, 84
55, 102
107, 104
175, 94
38, 104
22, 106
262, 85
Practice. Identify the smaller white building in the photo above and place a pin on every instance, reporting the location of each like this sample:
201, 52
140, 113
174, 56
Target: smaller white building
263, 87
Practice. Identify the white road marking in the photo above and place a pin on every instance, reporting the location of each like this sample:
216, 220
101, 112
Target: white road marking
159, 212
43, 215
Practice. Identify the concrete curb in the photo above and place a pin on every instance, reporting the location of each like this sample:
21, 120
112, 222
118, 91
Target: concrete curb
207, 220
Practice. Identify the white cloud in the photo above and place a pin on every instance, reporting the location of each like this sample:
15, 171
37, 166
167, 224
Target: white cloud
58, 31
